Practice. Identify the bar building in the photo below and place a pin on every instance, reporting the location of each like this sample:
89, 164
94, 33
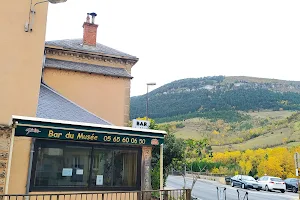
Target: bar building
64, 111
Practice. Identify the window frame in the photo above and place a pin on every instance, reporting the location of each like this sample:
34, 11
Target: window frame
90, 186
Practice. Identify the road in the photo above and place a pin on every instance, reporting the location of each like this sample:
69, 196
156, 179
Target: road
207, 190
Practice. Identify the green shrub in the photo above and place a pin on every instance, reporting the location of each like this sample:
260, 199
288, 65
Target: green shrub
155, 177
180, 125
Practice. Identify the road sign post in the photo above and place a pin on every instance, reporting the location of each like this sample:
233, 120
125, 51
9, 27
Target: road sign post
296, 158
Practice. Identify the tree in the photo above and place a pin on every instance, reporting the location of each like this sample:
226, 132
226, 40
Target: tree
173, 150
194, 151
246, 166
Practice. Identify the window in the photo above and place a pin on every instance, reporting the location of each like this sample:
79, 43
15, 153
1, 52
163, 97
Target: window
248, 178
81, 166
276, 179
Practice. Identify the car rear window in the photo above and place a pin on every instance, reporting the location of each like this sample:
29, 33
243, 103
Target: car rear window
248, 178
276, 179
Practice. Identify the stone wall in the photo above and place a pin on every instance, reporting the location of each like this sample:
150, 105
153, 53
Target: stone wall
146, 168
5, 134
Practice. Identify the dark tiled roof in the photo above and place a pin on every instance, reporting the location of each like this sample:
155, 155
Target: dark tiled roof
89, 68
76, 44
54, 106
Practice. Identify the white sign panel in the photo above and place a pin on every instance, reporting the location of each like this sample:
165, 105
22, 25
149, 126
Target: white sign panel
67, 172
79, 171
143, 124
99, 180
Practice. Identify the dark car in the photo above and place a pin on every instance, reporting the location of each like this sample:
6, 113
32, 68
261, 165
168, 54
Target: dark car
228, 180
292, 184
245, 182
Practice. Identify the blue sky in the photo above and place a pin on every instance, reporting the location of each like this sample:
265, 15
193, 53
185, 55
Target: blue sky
182, 39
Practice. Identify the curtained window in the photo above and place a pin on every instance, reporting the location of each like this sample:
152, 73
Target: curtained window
74, 165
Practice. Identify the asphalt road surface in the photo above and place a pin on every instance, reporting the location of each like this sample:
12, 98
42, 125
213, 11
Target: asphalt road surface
207, 190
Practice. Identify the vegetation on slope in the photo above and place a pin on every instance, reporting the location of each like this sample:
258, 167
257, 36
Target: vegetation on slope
217, 98
260, 130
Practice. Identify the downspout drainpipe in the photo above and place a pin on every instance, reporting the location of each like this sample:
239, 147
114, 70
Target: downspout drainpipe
43, 66
30, 165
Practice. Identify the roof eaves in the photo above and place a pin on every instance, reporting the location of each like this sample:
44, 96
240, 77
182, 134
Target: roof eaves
93, 53
84, 71
78, 70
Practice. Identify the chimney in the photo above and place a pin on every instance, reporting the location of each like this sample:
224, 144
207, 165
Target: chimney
90, 30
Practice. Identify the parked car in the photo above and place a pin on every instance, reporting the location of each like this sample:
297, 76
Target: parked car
245, 182
292, 184
270, 183
228, 180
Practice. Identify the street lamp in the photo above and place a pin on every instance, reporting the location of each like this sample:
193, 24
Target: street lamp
29, 23
147, 104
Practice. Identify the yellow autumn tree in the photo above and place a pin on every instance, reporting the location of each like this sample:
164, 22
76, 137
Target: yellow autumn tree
277, 161
271, 167
246, 166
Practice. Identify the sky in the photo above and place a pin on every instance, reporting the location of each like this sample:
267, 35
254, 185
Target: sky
177, 39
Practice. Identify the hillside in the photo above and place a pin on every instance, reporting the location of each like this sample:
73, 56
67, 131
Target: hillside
226, 98
261, 130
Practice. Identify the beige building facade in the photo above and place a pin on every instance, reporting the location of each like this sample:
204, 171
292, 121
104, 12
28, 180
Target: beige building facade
92, 75
64, 109
18, 71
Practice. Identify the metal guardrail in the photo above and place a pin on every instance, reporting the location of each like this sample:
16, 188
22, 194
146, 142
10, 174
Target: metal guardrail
178, 194
174, 172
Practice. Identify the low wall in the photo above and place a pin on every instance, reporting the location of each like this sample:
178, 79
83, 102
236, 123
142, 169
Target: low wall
220, 179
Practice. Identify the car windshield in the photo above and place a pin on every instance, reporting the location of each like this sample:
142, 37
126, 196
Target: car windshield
276, 179
248, 178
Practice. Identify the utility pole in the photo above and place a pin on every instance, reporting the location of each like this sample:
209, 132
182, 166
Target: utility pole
296, 158
147, 100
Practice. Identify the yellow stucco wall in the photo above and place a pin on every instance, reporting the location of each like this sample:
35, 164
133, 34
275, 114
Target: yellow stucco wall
108, 97
102, 95
21, 57
19, 165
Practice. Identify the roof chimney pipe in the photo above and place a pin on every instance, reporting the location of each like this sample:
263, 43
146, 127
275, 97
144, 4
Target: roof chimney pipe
93, 17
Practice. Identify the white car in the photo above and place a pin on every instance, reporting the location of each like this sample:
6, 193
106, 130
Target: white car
270, 183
